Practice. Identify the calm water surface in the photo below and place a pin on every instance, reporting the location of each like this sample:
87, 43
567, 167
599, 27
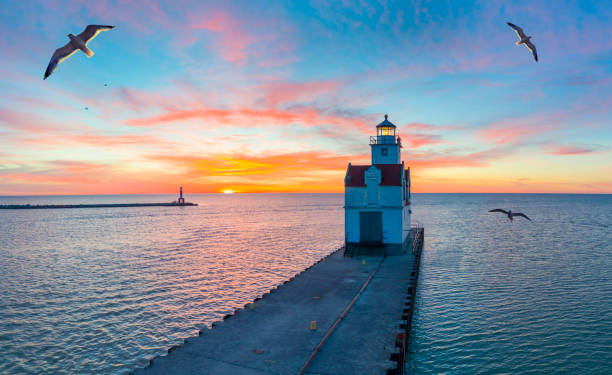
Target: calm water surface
516, 298
95, 291
102, 290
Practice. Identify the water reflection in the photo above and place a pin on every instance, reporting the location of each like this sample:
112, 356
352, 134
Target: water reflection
102, 290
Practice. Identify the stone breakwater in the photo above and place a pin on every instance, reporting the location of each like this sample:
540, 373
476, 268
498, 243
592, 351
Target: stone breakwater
102, 205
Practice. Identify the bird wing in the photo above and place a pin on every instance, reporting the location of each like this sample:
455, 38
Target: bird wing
518, 30
499, 210
521, 214
59, 55
532, 48
92, 31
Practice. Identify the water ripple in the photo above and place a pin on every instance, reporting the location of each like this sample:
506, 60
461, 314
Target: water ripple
93, 291
516, 298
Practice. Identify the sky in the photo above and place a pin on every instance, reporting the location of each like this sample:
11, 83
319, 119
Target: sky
279, 96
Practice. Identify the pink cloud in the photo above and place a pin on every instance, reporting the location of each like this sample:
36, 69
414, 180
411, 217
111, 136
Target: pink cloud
34, 102
233, 40
432, 159
252, 117
276, 93
137, 100
571, 150
218, 21
238, 37
418, 126
529, 128
509, 133
58, 172
27, 129
232, 34
427, 127
143, 15
95, 140
420, 140
27, 122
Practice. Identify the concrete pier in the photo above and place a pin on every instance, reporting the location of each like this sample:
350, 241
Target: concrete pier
361, 306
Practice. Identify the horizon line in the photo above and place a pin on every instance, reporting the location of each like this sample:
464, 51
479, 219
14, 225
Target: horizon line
276, 192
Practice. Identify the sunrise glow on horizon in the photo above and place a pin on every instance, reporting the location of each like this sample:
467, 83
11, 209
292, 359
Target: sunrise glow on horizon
235, 97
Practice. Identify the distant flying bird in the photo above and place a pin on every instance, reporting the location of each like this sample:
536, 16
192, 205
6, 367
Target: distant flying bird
524, 39
76, 42
510, 213
87, 108
106, 84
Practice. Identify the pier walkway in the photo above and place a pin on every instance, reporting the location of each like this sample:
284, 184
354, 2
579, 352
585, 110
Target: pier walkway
274, 337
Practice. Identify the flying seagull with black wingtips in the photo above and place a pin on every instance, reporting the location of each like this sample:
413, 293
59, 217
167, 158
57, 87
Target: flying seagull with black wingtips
524, 39
76, 42
510, 214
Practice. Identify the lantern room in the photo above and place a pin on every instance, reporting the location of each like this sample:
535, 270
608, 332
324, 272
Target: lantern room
385, 131
386, 145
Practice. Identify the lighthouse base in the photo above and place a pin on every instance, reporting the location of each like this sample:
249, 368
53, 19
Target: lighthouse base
378, 249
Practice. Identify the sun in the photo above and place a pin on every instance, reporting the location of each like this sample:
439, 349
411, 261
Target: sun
228, 191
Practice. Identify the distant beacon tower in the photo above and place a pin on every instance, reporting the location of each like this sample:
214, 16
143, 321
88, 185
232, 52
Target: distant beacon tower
377, 198
181, 200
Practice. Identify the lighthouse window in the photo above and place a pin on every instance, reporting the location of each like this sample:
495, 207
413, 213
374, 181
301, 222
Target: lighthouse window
383, 151
385, 131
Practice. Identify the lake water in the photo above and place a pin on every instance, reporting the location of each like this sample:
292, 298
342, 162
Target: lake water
95, 291
516, 298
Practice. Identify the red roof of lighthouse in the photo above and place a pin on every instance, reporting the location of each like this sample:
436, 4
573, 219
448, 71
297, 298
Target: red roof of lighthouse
391, 175
355, 175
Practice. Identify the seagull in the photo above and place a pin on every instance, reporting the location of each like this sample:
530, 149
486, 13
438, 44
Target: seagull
524, 40
510, 213
76, 42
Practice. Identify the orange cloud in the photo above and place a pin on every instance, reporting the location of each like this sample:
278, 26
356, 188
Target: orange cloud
291, 172
312, 171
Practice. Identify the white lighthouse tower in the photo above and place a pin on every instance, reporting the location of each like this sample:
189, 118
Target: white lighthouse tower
377, 198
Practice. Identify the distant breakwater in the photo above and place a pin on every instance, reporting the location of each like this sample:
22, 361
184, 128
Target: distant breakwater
101, 205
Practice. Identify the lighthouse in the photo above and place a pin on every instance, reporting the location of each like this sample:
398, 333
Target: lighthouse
377, 198
181, 200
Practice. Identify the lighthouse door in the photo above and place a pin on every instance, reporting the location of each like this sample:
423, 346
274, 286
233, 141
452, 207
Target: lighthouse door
370, 227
